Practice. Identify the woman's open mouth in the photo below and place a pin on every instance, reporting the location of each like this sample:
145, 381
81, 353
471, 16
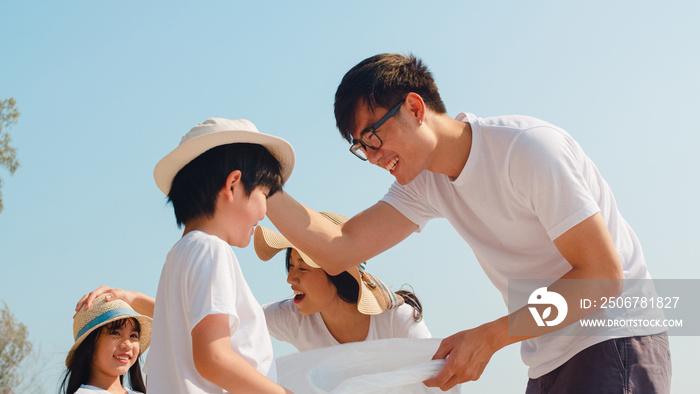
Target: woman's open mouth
298, 296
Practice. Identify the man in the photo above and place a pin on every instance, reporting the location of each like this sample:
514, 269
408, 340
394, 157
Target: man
524, 196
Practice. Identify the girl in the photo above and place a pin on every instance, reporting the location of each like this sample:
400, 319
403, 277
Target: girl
109, 338
330, 310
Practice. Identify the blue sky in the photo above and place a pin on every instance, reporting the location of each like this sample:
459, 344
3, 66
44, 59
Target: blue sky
106, 89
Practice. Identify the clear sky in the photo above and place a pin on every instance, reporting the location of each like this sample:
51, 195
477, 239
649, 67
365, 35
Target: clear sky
107, 88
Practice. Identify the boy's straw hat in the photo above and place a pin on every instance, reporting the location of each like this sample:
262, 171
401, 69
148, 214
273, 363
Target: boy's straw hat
374, 298
104, 312
215, 132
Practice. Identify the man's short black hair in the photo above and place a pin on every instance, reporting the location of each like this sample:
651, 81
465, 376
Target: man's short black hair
197, 185
383, 81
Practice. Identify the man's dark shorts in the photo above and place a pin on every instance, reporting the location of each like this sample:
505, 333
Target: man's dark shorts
624, 365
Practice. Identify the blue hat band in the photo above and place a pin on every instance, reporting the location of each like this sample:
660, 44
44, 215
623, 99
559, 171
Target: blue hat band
110, 314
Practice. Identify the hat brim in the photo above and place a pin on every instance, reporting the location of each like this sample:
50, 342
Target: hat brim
173, 162
375, 297
268, 243
145, 323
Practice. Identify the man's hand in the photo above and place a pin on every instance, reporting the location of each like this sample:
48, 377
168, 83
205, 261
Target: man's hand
467, 353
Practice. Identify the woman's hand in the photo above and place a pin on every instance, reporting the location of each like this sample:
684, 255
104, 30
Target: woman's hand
141, 303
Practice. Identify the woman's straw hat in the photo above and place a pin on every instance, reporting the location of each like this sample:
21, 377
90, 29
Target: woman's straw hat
214, 132
375, 297
104, 312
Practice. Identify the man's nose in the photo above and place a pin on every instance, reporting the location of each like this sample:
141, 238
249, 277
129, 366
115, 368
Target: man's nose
373, 155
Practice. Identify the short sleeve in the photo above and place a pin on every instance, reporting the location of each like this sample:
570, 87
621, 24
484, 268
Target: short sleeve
283, 321
211, 284
547, 171
410, 200
405, 325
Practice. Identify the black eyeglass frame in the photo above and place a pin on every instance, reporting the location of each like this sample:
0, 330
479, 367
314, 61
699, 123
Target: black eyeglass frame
360, 144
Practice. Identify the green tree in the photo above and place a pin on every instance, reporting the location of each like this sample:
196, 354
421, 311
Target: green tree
8, 154
14, 347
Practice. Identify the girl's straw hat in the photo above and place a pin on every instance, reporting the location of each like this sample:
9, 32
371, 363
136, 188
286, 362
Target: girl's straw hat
375, 297
104, 312
214, 132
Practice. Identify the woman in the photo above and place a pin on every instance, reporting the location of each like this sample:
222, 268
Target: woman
330, 310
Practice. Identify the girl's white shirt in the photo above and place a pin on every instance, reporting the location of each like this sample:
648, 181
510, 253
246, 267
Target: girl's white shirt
87, 389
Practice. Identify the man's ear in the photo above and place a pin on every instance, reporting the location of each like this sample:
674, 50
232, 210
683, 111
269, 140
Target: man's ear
416, 106
233, 181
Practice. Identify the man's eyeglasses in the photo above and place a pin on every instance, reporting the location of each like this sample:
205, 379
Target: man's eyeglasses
369, 138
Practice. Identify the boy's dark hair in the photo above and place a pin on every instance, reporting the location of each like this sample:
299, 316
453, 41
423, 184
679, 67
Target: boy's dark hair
349, 290
80, 365
196, 186
383, 81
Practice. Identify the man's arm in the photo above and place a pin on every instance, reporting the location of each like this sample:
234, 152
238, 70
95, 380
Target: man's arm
364, 236
589, 249
219, 364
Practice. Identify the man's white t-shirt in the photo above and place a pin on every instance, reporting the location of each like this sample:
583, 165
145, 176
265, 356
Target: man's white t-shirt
308, 332
201, 276
525, 183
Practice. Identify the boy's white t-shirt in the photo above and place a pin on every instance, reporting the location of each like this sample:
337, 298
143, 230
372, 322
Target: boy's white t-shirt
525, 183
308, 332
201, 276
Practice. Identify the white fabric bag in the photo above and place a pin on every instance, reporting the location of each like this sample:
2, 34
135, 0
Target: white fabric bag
382, 366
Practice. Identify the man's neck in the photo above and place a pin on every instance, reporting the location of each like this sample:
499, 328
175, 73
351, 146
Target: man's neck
454, 142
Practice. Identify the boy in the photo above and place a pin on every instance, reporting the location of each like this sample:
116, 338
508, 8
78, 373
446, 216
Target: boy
209, 332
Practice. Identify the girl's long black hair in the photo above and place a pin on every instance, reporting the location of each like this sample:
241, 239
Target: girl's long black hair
349, 290
80, 365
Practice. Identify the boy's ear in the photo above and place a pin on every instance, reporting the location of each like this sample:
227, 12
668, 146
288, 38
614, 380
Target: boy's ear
233, 181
